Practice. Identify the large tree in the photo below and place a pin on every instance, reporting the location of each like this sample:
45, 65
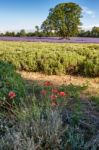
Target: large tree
64, 20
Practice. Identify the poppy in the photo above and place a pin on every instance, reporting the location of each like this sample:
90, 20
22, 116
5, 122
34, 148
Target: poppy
53, 97
47, 83
43, 92
12, 95
55, 91
62, 94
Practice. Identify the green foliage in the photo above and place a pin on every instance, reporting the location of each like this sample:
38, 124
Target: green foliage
96, 99
38, 125
91, 68
10, 81
64, 19
9, 34
22, 33
94, 32
52, 58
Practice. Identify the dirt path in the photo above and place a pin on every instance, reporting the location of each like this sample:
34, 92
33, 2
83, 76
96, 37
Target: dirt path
93, 83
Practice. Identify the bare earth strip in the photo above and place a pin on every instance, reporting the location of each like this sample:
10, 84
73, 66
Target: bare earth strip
93, 83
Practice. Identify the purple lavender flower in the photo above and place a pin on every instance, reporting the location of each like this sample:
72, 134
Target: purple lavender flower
52, 39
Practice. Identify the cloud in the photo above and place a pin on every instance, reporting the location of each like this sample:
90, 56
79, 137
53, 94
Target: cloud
89, 27
88, 11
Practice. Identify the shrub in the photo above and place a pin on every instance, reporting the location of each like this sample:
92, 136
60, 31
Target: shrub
52, 58
90, 68
11, 86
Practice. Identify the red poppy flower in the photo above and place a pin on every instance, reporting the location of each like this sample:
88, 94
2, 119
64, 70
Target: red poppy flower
55, 91
53, 97
47, 83
43, 92
62, 94
12, 95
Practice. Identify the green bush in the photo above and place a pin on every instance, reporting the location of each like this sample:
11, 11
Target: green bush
51, 58
90, 68
11, 86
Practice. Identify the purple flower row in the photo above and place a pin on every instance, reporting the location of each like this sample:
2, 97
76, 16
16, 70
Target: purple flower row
52, 39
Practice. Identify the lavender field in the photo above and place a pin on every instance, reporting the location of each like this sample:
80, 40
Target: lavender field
52, 39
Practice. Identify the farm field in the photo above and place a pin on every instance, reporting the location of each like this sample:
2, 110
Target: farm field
52, 39
49, 96
52, 58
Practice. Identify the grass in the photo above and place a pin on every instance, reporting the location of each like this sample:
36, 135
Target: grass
37, 124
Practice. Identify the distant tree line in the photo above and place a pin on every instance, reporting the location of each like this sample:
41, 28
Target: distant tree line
23, 33
94, 32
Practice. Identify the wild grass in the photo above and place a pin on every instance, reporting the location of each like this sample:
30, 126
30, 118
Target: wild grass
37, 124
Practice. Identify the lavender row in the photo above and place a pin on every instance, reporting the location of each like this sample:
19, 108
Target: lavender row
52, 39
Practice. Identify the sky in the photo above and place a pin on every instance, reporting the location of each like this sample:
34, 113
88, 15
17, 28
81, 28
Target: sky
26, 14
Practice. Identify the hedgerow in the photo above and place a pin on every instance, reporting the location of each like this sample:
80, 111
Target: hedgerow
51, 58
12, 88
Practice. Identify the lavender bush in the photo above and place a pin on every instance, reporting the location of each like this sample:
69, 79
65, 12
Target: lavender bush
52, 58
52, 39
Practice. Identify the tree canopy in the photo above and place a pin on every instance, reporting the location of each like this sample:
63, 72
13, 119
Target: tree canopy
64, 19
